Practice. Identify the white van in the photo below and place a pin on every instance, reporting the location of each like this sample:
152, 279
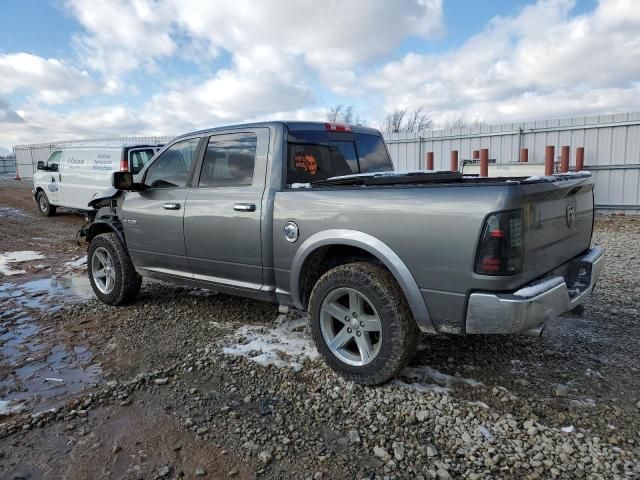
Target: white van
74, 174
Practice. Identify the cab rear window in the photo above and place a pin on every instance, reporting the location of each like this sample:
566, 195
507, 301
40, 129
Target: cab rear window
318, 155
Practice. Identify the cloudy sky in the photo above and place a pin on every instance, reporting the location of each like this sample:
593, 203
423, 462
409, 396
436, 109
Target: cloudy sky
77, 68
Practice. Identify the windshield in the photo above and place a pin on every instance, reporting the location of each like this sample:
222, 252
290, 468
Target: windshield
318, 155
139, 158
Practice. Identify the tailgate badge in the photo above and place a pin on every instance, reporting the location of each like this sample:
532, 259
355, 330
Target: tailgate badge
571, 216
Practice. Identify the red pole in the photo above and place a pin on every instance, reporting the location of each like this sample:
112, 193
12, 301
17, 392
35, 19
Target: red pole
579, 159
476, 154
549, 154
429, 160
564, 158
524, 155
454, 160
484, 162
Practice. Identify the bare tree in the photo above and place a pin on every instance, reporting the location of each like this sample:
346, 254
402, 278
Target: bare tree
457, 122
416, 121
344, 114
347, 115
334, 113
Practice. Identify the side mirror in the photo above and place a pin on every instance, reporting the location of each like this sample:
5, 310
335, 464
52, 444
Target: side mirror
124, 181
41, 165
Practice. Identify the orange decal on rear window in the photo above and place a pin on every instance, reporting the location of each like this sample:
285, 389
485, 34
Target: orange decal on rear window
306, 162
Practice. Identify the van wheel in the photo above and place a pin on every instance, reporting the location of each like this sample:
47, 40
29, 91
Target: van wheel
44, 207
361, 323
113, 278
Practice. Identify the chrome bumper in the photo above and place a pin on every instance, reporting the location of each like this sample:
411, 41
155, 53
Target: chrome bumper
534, 304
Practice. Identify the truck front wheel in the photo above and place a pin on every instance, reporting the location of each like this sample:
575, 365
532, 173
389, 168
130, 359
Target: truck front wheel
361, 323
44, 207
113, 278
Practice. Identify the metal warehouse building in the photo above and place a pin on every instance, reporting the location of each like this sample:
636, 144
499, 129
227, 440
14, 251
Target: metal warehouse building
611, 150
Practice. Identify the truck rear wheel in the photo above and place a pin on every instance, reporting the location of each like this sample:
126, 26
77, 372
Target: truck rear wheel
361, 323
44, 207
113, 278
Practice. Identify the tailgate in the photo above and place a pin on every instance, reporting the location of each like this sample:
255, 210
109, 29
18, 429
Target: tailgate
558, 218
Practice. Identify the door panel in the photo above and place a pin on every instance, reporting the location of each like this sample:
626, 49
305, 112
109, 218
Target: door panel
223, 213
153, 218
54, 179
154, 234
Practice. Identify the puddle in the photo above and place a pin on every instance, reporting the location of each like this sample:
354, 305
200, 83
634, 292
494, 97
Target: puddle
8, 212
38, 364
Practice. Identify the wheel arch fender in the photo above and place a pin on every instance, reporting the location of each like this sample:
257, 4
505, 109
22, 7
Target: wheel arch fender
373, 246
106, 225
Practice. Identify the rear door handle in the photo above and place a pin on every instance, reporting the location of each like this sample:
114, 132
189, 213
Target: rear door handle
245, 207
171, 206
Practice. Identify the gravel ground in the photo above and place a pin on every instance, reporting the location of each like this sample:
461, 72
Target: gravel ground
199, 385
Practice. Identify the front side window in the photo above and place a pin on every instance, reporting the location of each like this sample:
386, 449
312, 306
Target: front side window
229, 160
54, 161
173, 167
139, 158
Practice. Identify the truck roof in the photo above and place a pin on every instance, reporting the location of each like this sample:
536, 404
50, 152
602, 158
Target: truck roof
106, 144
293, 125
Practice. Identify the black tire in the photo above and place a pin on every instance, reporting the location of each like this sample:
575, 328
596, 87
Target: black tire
127, 282
44, 207
399, 330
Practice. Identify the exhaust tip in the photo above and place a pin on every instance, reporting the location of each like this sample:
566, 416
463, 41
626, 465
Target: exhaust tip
535, 332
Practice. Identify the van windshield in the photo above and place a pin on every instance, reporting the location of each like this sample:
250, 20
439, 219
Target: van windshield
317, 155
139, 158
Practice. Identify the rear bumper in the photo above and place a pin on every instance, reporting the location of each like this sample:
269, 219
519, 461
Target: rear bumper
534, 304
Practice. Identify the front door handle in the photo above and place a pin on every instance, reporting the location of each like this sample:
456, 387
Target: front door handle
171, 206
245, 207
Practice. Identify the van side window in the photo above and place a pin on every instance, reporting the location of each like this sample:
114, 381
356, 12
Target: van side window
229, 160
54, 159
173, 166
139, 158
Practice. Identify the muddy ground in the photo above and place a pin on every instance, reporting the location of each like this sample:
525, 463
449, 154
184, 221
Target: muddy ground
186, 383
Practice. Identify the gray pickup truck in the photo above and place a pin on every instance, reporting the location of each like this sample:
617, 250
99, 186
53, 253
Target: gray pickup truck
311, 215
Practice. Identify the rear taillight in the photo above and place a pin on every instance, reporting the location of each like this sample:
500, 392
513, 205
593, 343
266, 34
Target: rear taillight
501, 246
124, 165
337, 127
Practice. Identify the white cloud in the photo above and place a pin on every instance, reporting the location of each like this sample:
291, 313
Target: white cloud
49, 80
122, 35
330, 34
541, 62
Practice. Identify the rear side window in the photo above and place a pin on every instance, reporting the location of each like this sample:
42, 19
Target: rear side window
173, 166
229, 160
139, 158
318, 155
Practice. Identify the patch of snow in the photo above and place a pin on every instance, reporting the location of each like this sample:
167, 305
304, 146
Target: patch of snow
486, 433
424, 373
77, 262
539, 288
420, 387
300, 185
17, 257
9, 407
568, 429
285, 345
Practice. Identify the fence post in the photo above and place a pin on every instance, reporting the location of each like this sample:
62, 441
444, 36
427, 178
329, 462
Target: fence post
524, 155
549, 154
564, 158
454, 160
429, 160
484, 162
579, 159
